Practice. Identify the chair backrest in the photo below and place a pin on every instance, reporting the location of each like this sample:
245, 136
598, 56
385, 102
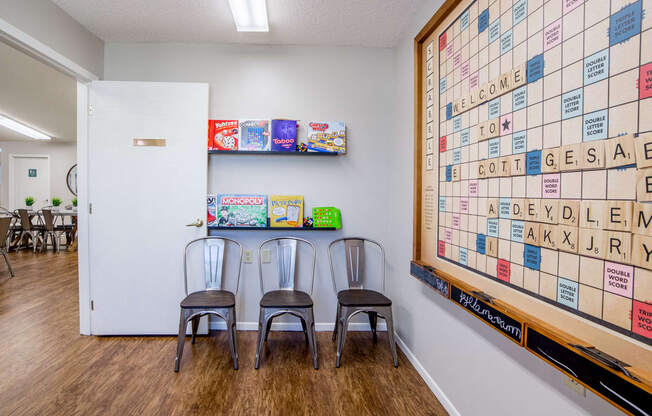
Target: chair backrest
48, 218
286, 258
25, 222
354, 250
5, 223
212, 254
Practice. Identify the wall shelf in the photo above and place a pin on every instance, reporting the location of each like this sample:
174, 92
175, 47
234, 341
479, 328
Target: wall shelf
254, 152
214, 227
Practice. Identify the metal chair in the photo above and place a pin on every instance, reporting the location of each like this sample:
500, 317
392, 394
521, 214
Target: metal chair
287, 299
356, 299
214, 299
5, 223
51, 230
27, 228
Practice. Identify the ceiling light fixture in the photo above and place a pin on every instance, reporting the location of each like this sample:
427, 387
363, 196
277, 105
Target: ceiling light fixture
22, 129
250, 15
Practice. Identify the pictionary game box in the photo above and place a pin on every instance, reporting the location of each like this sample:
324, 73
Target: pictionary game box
240, 210
286, 210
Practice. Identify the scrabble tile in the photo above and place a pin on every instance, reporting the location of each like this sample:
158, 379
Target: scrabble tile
569, 212
531, 233
570, 157
550, 160
618, 246
620, 151
548, 235
592, 214
618, 216
642, 251
568, 238
593, 156
643, 148
644, 185
593, 243
642, 219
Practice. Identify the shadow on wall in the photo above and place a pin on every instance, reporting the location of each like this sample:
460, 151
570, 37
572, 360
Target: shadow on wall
539, 369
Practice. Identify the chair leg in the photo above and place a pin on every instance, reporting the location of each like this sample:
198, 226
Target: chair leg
343, 325
195, 326
312, 340
305, 331
268, 328
233, 343
180, 340
373, 320
262, 329
390, 334
4, 254
337, 321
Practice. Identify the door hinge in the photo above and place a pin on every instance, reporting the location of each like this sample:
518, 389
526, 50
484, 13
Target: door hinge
90, 208
91, 109
92, 306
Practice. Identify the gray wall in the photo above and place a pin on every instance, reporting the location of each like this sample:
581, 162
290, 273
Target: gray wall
479, 370
62, 156
46, 22
330, 83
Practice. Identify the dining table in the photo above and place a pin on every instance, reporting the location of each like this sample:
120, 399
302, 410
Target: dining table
58, 214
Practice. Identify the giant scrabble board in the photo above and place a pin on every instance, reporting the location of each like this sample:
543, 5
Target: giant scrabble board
536, 159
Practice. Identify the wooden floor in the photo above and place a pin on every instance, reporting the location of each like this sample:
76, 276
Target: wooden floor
47, 368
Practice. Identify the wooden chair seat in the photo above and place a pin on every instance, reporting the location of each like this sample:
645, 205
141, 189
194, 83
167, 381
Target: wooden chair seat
286, 299
362, 297
209, 299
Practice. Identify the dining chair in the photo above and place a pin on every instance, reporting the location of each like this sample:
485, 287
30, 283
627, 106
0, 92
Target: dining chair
50, 229
287, 299
209, 255
356, 298
28, 229
5, 223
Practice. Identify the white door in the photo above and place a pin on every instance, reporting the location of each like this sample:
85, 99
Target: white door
141, 199
29, 175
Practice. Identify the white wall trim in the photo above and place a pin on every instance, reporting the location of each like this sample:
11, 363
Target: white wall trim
13, 204
41, 51
83, 268
430, 382
218, 324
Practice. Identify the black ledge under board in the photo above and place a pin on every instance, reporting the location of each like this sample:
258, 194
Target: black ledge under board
264, 153
213, 227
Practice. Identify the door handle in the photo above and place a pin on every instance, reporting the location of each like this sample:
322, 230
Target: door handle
197, 223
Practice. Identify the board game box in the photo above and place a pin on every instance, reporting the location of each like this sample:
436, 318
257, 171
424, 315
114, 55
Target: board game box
211, 205
254, 135
326, 217
241, 210
284, 135
286, 210
327, 136
223, 134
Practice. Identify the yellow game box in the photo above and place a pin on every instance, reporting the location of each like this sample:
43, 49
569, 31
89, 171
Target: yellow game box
286, 210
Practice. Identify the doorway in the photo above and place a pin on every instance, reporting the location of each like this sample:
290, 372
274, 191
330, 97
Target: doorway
29, 176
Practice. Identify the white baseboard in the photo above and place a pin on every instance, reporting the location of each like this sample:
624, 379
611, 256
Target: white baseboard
430, 382
296, 326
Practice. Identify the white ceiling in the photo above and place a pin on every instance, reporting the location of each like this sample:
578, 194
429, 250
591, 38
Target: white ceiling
294, 22
37, 95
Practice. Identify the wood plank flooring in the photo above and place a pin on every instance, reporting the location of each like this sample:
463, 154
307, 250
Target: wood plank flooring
47, 368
